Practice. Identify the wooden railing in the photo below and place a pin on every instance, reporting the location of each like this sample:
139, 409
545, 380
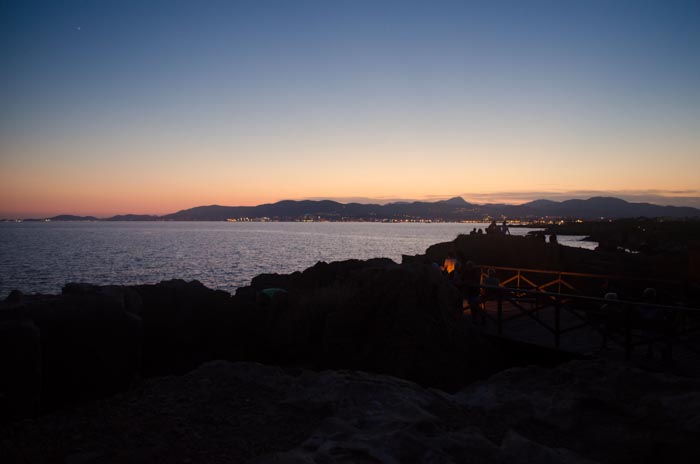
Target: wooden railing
576, 283
625, 323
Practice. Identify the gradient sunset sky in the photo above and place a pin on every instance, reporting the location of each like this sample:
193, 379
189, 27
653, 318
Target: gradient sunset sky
155, 106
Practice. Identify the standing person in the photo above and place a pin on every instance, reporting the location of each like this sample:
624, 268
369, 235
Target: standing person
609, 317
649, 316
492, 281
504, 228
470, 279
654, 324
489, 294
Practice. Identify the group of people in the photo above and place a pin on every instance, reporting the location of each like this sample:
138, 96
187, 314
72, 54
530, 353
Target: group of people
493, 229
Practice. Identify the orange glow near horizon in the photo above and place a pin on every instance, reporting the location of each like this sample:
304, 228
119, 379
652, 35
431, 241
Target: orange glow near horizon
107, 174
151, 110
30, 190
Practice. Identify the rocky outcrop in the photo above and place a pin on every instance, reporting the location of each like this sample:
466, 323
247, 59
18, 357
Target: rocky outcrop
93, 341
634, 272
185, 324
604, 411
580, 412
400, 320
90, 343
60, 349
20, 365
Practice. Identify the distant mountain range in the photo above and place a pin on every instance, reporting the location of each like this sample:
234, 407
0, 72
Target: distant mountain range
454, 209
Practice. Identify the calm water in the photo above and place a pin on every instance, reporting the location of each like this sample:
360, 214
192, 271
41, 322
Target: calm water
43, 256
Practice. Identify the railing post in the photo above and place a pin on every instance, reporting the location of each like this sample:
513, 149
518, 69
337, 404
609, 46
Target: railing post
559, 284
669, 337
499, 313
518, 279
628, 333
556, 321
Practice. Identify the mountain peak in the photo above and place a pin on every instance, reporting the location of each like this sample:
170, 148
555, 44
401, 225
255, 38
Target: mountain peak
456, 201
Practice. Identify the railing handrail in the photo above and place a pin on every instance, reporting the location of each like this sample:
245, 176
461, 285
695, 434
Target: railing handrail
501, 288
581, 274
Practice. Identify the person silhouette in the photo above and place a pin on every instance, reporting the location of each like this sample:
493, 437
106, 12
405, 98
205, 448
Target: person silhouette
493, 228
653, 321
504, 228
469, 281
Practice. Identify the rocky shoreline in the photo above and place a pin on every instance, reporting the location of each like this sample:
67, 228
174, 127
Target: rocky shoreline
375, 364
221, 412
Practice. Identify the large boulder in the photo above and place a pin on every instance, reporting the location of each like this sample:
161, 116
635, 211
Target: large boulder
378, 316
90, 345
603, 410
579, 412
320, 275
20, 365
185, 324
246, 412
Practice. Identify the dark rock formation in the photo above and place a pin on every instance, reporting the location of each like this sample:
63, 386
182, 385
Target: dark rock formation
378, 316
20, 364
374, 315
580, 412
403, 320
604, 411
185, 324
633, 272
91, 345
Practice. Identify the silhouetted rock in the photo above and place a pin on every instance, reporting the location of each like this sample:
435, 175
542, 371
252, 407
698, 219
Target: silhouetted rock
319, 275
602, 410
374, 315
404, 320
20, 365
580, 412
14, 297
90, 345
184, 325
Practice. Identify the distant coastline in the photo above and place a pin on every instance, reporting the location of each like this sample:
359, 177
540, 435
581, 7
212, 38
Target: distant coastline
453, 210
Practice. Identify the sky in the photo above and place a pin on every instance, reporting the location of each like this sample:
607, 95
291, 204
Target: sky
113, 107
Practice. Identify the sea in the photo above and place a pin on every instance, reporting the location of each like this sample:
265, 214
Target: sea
41, 257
